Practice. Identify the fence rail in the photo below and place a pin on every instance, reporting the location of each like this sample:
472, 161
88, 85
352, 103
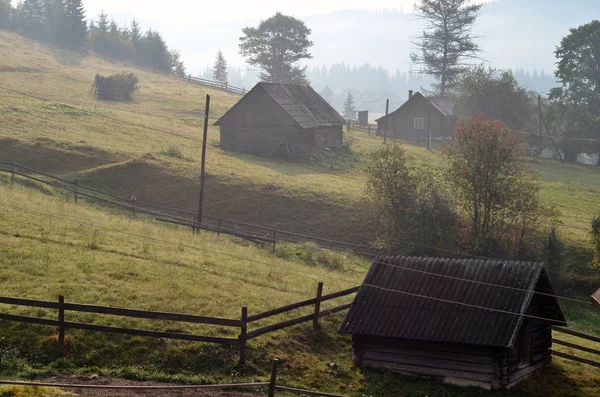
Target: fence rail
216, 84
245, 230
242, 324
356, 126
576, 347
271, 386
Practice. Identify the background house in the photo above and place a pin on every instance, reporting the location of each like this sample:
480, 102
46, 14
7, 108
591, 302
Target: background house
419, 115
280, 118
405, 318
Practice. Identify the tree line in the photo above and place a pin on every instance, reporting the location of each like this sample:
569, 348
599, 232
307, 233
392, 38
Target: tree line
64, 23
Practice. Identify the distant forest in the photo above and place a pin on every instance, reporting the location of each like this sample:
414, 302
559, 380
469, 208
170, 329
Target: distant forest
372, 85
64, 23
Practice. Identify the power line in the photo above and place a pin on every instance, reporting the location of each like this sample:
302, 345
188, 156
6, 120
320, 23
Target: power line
338, 278
458, 303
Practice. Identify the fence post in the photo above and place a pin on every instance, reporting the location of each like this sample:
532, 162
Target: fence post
369, 129
220, 223
273, 382
243, 335
12, 173
75, 184
274, 240
61, 323
133, 200
318, 306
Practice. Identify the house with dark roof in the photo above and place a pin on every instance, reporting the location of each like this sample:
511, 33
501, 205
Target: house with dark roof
280, 119
468, 322
419, 116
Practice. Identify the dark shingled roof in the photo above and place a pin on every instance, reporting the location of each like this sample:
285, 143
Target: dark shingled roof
306, 107
378, 312
442, 104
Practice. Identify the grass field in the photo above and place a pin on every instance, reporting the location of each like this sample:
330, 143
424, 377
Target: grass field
150, 148
133, 148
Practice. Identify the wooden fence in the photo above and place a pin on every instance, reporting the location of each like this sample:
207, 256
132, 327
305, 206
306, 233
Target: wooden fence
211, 223
217, 85
241, 323
576, 347
271, 386
356, 126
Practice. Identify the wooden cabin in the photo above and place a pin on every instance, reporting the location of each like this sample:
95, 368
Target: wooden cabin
419, 116
467, 322
281, 119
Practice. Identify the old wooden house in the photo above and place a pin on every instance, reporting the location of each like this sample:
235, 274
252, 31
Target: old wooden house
418, 117
281, 118
596, 297
467, 322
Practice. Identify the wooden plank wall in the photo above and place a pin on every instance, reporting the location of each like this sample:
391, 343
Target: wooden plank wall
452, 363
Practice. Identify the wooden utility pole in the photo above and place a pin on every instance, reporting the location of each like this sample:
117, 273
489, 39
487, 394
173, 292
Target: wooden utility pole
540, 123
385, 121
203, 162
553, 142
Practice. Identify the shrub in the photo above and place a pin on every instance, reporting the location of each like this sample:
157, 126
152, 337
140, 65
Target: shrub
173, 151
408, 204
120, 86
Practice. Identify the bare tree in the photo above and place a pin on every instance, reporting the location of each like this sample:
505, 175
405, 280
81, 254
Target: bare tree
446, 42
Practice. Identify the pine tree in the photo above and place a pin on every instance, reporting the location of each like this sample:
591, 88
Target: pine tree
32, 18
220, 69
103, 22
177, 67
113, 28
5, 12
57, 19
153, 52
135, 33
349, 110
76, 24
446, 43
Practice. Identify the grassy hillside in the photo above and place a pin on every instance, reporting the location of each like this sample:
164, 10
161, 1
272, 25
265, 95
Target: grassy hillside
50, 246
150, 148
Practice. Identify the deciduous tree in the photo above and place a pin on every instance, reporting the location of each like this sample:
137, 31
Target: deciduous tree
447, 43
495, 190
276, 46
497, 94
578, 72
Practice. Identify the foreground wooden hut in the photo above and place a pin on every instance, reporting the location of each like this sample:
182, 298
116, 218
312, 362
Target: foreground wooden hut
467, 322
281, 119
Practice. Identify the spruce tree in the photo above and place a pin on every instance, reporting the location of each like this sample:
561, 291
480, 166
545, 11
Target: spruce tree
76, 23
135, 33
103, 22
447, 43
349, 110
220, 69
113, 28
5, 12
32, 18
57, 20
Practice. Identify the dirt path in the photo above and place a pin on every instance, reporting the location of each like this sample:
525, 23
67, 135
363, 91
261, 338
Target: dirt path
85, 380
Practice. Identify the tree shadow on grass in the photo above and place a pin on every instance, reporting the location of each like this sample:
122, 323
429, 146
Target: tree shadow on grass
68, 57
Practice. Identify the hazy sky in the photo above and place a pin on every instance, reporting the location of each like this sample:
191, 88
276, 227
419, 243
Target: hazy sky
188, 11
